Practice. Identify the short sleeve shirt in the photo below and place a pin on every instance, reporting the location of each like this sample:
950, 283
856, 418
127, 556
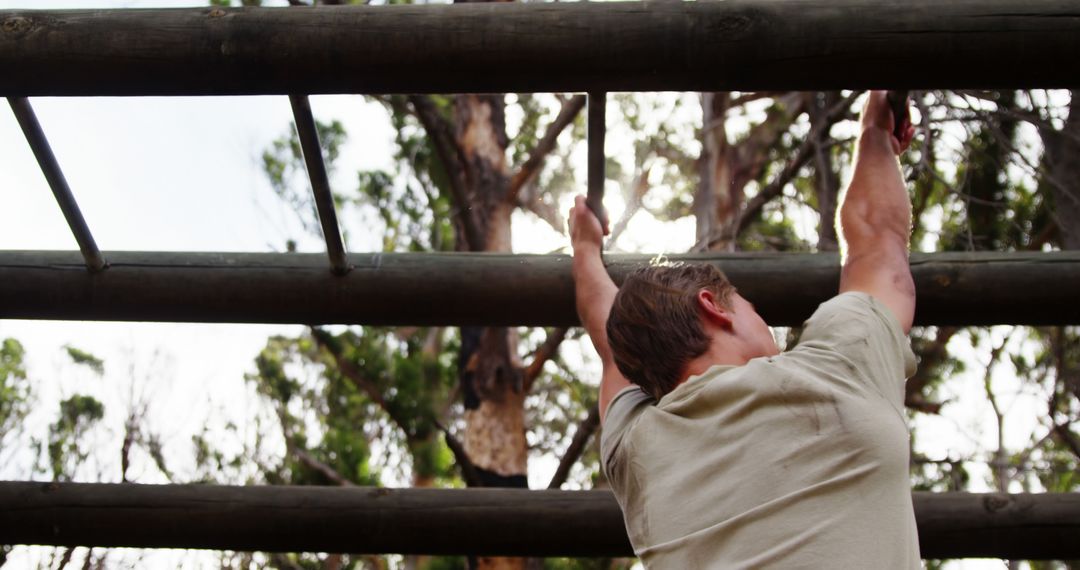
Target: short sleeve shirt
793, 461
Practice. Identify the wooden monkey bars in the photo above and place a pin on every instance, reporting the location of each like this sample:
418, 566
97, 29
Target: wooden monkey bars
510, 522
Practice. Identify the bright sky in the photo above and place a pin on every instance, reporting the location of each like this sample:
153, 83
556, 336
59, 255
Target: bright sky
183, 174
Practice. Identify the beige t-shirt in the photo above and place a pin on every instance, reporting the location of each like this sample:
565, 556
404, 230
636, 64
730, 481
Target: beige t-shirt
795, 461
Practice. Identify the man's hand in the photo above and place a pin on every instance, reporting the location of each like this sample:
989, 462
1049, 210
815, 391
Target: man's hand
877, 114
585, 230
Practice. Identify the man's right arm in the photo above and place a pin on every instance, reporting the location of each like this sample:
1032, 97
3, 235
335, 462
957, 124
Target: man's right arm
875, 216
595, 294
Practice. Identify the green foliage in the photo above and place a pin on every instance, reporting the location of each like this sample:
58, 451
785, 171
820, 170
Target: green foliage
15, 395
283, 164
86, 359
78, 414
336, 393
530, 131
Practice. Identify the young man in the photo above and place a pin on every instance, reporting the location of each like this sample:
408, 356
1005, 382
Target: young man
724, 453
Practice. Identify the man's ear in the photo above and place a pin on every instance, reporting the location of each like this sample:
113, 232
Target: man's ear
711, 309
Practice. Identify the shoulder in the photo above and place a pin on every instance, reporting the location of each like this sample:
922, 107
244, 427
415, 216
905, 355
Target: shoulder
852, 313
861, 329
622, 413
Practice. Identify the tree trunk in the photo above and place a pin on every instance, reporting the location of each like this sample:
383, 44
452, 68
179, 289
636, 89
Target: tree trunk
726, 167
492, 376
1063, 164
713, 203
983, 181
826, 178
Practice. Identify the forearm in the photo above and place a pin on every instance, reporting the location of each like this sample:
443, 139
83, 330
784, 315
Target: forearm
875, 207
875, 222
594, 294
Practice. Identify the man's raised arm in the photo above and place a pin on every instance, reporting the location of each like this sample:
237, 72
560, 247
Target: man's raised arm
595, 293
875, 216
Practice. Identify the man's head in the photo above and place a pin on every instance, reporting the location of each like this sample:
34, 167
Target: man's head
665, 316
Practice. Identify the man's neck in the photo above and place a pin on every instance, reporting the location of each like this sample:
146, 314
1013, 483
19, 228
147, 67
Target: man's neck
722, 352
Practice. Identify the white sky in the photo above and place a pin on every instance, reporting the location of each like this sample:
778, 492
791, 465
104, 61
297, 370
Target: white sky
183, 174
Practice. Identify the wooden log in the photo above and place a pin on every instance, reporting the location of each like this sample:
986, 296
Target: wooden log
631, 46
1020, 526
510, 522
493, 289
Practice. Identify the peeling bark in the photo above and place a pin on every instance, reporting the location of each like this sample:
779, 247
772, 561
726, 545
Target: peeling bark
495, 437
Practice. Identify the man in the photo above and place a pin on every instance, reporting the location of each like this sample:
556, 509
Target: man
724, 453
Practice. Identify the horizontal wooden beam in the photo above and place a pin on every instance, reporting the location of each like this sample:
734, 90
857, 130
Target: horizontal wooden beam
538, 47
456, 521
493, 289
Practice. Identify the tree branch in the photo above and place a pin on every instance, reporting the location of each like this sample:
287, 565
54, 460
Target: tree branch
546, 352
350, 371
1039, 121
1041, 237
776, 186
1000, 462
641, 187
745, 98
323, 469
930, 358
577, 445
1066, 436
302, 454
550, 214
439, 130
1063, 432
532, 165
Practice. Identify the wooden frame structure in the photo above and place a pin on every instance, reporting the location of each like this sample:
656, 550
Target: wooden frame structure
700, 46
737, 45
491, 521
485, 289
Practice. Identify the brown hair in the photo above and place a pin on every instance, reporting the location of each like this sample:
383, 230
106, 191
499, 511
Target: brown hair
655, 329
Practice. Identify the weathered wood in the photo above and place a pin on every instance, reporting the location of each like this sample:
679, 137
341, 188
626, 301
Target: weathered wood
493, 289
998, 525
631, 46
457, 521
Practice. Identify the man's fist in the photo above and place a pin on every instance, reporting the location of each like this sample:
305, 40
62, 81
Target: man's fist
585, 228
876, 114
